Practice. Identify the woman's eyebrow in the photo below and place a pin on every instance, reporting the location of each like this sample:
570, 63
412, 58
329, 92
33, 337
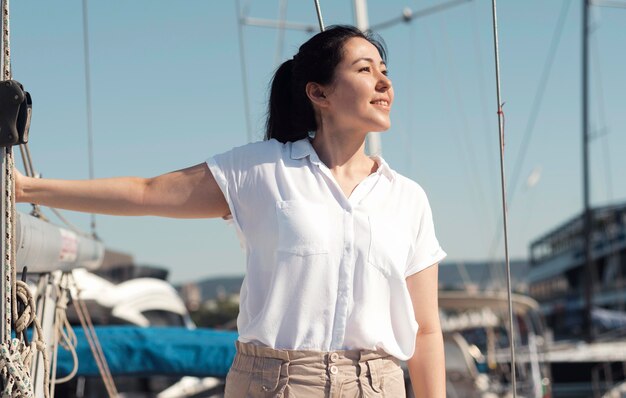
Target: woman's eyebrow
370, 60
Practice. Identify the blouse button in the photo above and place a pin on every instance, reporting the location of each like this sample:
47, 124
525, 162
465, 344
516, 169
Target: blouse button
334, 370
334, 357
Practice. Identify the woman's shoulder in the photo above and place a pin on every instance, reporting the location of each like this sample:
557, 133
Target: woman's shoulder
261, 147
412, 191
256, 152
405, 184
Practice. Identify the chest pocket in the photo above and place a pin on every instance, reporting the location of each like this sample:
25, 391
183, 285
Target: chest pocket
389, 246
302, 228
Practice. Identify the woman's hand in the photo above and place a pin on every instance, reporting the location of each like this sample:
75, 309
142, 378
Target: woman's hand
19, 178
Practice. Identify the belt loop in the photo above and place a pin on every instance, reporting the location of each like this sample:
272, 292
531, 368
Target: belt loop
374, 369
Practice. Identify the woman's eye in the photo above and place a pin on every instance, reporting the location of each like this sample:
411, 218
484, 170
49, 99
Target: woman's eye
385, 72
364, 69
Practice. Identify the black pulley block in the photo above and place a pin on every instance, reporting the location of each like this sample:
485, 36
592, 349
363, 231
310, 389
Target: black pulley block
15, 111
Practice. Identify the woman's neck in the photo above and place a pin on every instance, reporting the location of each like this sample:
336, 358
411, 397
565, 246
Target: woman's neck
343, 153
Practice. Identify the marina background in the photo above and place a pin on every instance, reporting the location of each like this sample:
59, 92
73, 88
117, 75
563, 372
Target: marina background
167, 93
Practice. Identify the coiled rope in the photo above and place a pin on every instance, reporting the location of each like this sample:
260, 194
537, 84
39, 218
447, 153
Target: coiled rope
15, 356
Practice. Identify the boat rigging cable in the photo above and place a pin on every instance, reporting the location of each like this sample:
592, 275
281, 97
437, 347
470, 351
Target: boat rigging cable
319, 15
282, 14
530, 124
88, 105
603, 132
244, 73
503, 185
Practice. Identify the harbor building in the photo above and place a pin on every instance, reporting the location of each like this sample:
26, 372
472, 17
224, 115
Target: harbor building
557, 275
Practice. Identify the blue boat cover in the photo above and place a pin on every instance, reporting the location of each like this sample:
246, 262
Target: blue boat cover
135, 351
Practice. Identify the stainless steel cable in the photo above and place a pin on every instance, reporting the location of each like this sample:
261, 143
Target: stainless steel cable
530, 124
282, 14
28, 169
504, 208
88, 103
244, 71
319, 15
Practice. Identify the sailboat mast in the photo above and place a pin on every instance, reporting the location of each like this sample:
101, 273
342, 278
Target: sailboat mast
587, 215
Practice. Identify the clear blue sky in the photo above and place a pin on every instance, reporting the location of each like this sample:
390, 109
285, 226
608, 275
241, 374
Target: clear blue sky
167, 93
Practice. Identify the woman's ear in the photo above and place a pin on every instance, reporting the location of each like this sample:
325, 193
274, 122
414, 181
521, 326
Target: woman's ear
315, 92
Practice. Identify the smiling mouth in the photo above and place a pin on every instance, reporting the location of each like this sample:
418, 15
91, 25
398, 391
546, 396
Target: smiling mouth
384, 104
381, 102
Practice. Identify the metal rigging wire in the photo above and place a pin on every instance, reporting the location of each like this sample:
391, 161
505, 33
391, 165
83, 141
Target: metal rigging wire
319, 15
244, 73
541, 88
282, 13
530, 125
484, 107
504, 209
471, 174
603, 133
88, 104
464, 131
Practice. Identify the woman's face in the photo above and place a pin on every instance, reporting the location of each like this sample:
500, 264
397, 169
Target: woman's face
360, 96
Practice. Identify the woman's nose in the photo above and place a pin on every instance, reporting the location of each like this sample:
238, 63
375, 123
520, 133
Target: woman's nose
384, 83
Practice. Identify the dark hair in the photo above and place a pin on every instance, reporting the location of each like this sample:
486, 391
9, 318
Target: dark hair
290, 113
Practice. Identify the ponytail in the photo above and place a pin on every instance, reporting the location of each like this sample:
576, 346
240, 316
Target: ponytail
290, 115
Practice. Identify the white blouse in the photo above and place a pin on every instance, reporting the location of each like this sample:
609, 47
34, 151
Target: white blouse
325, 272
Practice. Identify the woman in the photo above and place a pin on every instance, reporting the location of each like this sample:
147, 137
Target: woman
341, 251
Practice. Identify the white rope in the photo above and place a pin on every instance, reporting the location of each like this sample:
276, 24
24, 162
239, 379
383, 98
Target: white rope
14, 371
504, 207
96, 350
7, 259
64, 333
8, 240
6, 67
94, 343
15, 355
23, 321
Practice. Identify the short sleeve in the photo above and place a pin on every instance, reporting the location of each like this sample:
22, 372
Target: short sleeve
227, 171
232, 169
426, 250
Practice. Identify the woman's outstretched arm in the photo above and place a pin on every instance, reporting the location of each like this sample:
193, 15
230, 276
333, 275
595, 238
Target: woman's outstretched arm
187, 193
427, 366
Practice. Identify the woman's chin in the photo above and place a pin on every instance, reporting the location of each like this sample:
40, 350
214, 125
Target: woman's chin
382, 127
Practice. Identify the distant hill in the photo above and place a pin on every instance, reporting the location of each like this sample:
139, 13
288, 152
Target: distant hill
482, 274
212, 287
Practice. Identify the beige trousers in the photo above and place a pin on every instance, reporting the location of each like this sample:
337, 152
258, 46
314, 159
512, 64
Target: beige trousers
264, 372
